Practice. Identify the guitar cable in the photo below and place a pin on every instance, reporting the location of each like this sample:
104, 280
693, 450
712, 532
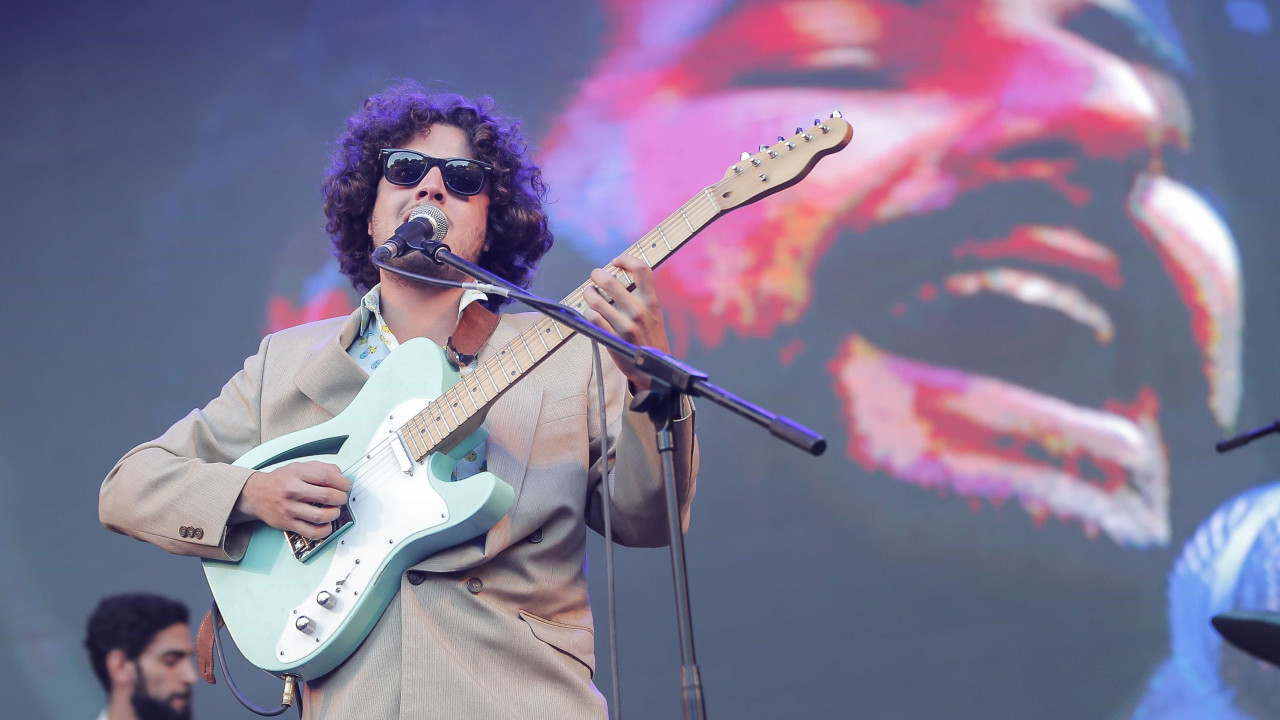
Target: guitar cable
608, 531
292, 693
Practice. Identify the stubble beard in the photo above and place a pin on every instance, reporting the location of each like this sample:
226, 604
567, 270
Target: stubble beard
421, 264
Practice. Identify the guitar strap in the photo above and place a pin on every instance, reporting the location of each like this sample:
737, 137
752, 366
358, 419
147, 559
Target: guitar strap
474, 328
204, 646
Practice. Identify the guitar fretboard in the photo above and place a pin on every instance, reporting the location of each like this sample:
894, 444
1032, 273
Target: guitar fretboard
462, 406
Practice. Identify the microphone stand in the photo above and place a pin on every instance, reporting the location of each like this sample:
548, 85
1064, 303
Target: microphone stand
670, 379
1247, 437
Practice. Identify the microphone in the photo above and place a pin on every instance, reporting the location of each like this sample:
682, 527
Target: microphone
426, 224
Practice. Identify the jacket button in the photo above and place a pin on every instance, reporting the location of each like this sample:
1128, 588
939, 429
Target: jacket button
199, 534
184, 531
536, 536
415, 577
474, 585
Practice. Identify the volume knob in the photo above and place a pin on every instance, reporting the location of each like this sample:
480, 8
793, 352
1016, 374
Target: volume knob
305, 624
326, 600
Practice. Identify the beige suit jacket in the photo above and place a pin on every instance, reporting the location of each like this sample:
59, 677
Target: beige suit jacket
496, 628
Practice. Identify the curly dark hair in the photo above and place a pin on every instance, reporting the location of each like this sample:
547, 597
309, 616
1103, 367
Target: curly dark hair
517, 233
128, 623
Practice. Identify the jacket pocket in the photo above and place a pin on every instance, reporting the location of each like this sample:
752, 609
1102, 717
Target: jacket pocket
575, 641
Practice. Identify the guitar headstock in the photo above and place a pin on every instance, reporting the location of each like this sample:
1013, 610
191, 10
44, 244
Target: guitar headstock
782, 164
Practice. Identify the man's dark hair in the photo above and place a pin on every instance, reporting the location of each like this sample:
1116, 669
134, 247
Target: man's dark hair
517, 234
128, 623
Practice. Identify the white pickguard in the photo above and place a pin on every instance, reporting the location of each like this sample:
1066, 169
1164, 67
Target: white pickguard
403, 504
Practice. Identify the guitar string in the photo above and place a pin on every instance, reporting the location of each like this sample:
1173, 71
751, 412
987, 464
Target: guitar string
383, 453
451, 398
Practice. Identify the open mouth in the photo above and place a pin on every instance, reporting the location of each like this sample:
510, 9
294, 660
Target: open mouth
985, 437
1095, 458
1028, 402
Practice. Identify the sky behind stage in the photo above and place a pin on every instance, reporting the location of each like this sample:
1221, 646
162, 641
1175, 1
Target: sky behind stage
1022, 305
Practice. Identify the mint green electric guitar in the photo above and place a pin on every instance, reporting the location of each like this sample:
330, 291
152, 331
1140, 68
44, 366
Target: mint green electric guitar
299, 607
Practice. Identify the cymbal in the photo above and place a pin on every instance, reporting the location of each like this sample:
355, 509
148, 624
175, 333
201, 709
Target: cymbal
1257, 633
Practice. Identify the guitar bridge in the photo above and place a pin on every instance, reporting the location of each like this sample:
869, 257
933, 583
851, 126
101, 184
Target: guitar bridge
303, 547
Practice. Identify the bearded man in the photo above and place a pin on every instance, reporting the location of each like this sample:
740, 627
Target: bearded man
140, 649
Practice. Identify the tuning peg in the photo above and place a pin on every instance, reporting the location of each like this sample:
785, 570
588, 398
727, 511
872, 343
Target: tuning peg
780, 138
799, 130
745, 156
816, 122
836, 114
763, 148
789, 145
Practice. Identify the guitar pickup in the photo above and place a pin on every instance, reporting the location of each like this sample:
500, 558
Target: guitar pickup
304, 547
401, 451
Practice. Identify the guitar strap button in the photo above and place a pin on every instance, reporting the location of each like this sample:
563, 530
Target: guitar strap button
415, 577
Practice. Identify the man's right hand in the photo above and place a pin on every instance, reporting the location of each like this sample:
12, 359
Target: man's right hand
299, 497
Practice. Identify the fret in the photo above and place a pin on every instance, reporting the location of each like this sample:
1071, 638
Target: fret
538, 331
414, 442
470, 393
662, 233
652, 246
711, 200
449, 407
424, 430
425, 440
686, 221
458, 400
406, 440
516, 361
528, 349
437, 420
503, 372
496, 390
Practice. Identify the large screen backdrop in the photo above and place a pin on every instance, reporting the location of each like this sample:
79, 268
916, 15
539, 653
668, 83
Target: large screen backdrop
1022, 305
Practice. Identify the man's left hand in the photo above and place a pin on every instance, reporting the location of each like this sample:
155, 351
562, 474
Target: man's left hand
634, 316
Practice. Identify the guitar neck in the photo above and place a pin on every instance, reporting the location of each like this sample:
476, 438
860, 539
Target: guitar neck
461, 409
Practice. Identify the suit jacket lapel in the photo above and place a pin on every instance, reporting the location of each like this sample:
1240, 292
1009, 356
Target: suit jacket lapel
511, 429
329, 376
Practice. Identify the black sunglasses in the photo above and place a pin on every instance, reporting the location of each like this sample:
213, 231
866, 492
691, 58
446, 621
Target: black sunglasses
407, 167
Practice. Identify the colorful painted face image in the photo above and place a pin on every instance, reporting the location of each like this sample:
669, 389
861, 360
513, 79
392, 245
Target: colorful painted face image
1007, 267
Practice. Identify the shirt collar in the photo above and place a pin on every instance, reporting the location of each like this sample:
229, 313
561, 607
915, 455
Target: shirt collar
371, 306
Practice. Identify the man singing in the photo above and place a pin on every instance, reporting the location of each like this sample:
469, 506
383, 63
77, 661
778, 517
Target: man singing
499, 626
